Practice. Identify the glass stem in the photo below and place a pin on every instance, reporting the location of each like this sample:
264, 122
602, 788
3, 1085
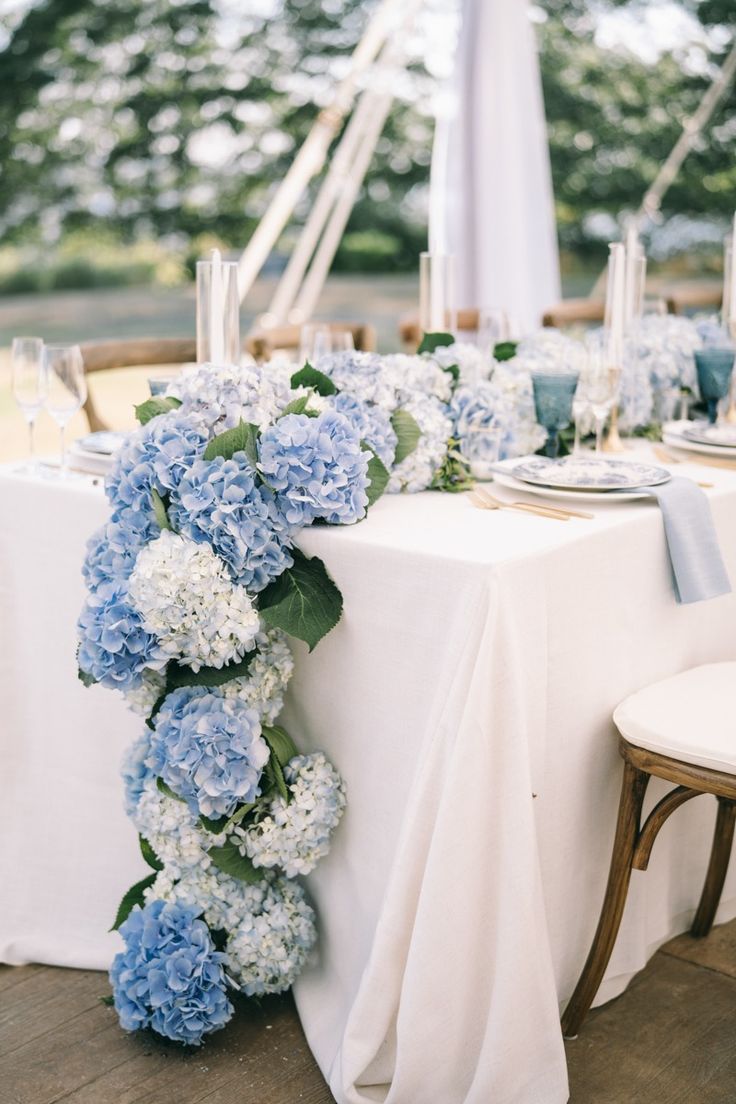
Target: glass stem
31, 446
62, 436
598, 435
576, 442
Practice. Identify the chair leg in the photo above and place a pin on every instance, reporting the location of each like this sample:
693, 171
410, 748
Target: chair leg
627, 829
717, 868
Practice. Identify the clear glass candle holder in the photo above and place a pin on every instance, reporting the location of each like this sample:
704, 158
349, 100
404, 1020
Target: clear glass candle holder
481, 447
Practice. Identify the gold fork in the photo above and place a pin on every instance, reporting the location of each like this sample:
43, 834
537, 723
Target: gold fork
559, 511
487, 502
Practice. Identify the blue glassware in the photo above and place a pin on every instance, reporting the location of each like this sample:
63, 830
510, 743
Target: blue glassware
553, 395
715, 368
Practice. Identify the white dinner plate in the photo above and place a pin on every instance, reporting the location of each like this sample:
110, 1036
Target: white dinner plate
502, 475
589, 473
703, 433
672, 435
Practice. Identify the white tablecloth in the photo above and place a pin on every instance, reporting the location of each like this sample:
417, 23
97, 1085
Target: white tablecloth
477, 665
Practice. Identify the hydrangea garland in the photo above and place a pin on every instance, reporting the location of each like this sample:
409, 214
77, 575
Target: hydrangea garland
194, 584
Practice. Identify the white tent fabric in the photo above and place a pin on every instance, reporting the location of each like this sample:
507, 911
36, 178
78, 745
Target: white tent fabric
491, 202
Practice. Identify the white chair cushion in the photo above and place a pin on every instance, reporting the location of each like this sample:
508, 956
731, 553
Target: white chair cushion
691, 717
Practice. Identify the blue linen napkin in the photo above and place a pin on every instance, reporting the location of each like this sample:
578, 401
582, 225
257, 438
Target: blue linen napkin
697, 565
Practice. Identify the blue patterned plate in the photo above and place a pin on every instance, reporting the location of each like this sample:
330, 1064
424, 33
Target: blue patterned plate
589, 473
105, 442
706, 434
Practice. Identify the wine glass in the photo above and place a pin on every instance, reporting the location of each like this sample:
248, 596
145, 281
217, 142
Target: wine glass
315, 341
29, 384
581, 412
342, 341
67, 388
553, 395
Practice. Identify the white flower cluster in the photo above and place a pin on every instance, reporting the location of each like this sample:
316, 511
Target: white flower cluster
225, 393
296, 835
268, 675
416, 471
170, 827
415, 376
472, 363
549, 350
187, 600
142, 699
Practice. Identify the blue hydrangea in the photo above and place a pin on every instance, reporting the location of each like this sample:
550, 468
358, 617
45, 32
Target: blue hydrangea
155, 456
218, 502
114, 648
362, 375
209, 750
372, 425
170, 977
317, 467
135, 770
111, 556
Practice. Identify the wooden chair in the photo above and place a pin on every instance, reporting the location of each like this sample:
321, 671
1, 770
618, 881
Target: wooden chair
100, 356
411, 332
682, 730
682, 298
571, 312
263, 343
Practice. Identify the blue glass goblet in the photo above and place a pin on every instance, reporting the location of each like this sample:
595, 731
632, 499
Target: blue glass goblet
715, 368
553, 395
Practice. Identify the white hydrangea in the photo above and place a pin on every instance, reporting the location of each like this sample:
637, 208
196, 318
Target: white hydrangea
186, 599
142, 699
516, 385
296, 835
268, 675
473, 364
549, 350
225, 393
170, 828
416, 471
271, 944
414, 376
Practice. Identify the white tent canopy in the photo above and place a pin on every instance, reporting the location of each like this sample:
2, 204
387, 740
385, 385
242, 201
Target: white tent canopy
491, 202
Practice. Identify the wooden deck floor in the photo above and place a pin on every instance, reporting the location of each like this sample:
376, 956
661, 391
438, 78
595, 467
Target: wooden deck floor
670, 1039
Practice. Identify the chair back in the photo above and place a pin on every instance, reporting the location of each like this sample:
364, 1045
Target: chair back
571, 312
410, 331
683, 298
102, 356
262, 343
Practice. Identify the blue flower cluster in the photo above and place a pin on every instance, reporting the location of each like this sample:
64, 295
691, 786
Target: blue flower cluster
114, 648
209, 750
317, 467
156, 456
111, 556
372, 425
219, 503
170, 977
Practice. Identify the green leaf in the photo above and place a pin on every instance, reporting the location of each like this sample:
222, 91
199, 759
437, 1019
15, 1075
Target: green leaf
452, 370
303, 600
378, 475
159, 510
85, 678
275, 778
133, 897
108, 1000
149, 854
229, 859
505, 350
408, 433
238, 815
299, 406
151, 408
243, 438
178, 675
214, 826
280, 743
310, 377
432, 341
167, 790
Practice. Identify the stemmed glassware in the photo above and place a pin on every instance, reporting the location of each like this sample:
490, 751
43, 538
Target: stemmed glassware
715, 368
67, 388
553, 397
29, 384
